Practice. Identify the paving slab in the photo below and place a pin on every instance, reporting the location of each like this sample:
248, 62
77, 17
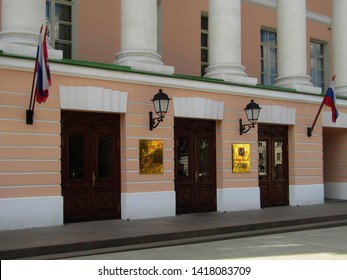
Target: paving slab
43, 241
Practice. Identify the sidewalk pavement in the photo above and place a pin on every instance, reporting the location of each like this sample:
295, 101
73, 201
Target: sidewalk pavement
77, 239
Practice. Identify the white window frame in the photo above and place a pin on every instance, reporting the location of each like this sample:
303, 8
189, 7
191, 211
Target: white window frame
267, 77
52, 21
204, 64
324, 55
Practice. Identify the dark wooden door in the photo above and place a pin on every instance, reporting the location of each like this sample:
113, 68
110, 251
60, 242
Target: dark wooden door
195, 166
273, 165
90, 166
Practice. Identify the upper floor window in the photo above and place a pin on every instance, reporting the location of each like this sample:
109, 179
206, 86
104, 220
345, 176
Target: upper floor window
204, 44
268, 50
317, 61
59, 20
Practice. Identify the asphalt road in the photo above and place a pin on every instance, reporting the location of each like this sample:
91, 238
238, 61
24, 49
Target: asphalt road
319, 244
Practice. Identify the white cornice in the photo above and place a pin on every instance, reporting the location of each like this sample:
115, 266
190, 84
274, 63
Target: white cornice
165, 81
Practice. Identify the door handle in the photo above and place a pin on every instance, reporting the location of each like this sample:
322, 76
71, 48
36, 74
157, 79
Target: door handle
93, 179
196, 176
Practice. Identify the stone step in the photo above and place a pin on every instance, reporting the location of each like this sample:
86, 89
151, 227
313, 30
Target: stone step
63, 251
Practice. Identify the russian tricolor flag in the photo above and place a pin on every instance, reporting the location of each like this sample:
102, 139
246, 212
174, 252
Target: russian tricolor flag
330, 100
43, 73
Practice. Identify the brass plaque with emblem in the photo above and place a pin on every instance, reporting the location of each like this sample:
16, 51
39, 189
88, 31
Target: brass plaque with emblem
241, 158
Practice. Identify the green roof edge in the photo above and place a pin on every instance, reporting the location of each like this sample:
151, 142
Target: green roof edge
115, 67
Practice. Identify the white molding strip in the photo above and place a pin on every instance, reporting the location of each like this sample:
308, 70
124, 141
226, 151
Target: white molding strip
318, 18
277, 115
93, 99
271, 4
196, 107
341, 121
165, 81
264, 3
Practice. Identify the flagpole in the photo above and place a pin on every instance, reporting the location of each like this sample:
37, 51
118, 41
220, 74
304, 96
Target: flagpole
30, 111
310, 129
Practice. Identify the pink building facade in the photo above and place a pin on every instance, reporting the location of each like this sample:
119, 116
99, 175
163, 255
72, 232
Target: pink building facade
81, 158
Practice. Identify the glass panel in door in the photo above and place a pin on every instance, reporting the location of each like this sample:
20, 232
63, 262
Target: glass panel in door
76, 158
278, 160
182, 157
262, 150
204, 157
104, 143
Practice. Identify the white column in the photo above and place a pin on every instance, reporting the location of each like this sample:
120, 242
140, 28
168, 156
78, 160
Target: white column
292, 46
339, 43
139, 37
21, 21
224, 44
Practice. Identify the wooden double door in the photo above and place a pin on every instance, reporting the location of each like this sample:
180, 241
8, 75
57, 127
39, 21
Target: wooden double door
273, 165
195, 166
90, 166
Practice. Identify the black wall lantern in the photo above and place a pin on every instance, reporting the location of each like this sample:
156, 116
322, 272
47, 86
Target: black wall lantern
161, 104
252, 111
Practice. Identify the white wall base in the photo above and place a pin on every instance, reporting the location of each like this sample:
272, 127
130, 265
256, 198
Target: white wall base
148, 205
306, 195
238, 199
28, 212
335, 190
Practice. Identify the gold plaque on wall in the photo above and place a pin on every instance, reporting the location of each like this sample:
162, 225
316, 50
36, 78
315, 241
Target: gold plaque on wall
241, 158
151, 156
